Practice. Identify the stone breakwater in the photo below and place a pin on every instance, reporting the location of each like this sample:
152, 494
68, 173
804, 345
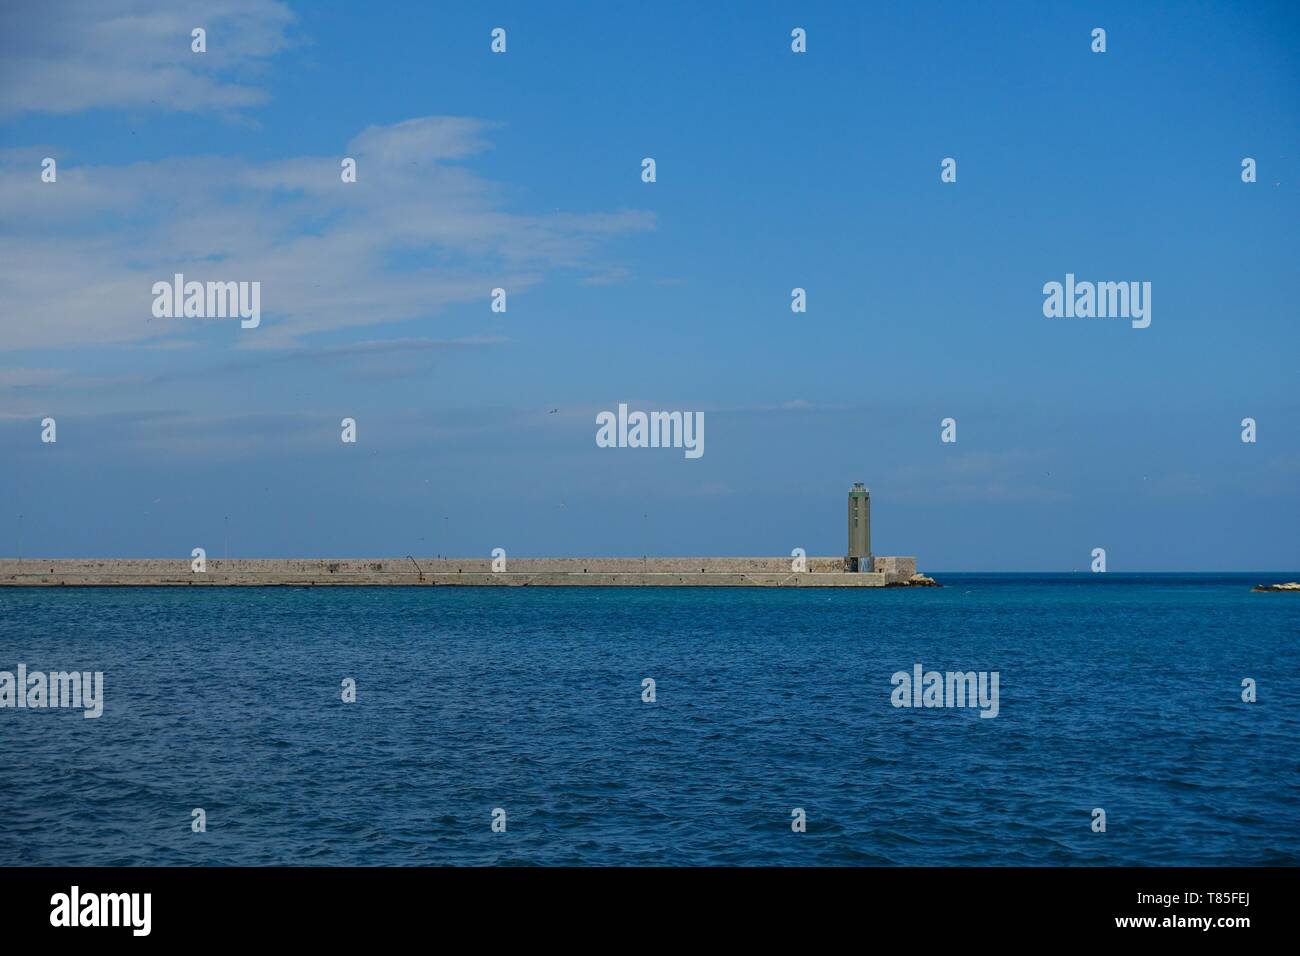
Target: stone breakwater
452, 572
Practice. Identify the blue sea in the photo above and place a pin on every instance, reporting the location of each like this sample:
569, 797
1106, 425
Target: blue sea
1117, 692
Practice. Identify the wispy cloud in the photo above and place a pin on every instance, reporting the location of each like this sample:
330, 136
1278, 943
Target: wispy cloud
65, 56
369, 349
1011, 476
413, 235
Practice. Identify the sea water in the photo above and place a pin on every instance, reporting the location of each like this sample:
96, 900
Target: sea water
1122, 693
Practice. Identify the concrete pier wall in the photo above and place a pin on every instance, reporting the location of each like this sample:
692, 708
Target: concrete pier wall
442, 572
895, 569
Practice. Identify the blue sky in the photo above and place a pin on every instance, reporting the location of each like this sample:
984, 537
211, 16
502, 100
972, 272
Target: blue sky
774, 170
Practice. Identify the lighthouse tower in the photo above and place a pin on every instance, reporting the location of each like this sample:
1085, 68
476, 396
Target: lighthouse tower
859, 557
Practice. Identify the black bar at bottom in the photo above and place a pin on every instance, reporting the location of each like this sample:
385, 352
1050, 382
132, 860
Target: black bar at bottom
337, 905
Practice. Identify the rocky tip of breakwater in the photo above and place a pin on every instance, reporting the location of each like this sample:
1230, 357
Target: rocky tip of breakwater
1266, 588
915, 581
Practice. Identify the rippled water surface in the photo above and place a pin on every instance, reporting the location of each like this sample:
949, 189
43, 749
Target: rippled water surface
1118, 692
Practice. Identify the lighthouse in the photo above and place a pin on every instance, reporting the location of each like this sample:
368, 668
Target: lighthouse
859, 556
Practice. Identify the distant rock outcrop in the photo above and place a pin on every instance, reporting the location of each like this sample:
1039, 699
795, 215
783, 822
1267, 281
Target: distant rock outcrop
1289, 586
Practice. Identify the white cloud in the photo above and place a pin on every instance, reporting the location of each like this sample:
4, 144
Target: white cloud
66, 56
450, 138
414, 234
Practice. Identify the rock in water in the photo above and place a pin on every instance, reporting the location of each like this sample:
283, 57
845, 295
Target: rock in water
921, 581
